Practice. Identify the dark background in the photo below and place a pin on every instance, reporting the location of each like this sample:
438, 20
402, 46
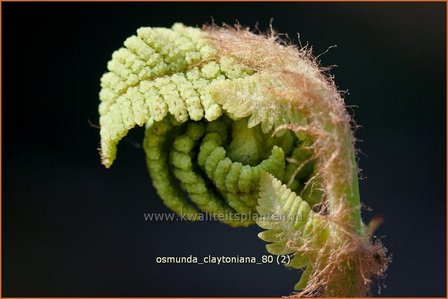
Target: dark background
72, 228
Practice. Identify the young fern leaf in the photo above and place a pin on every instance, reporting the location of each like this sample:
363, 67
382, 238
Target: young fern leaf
291, 226
289, 223
231, 118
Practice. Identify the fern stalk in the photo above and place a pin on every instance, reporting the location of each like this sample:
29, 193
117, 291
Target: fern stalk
238, 124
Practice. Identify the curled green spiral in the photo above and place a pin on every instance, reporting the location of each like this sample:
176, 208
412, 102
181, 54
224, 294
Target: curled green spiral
204, 152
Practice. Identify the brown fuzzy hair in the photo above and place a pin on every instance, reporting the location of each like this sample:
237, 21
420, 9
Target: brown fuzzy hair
307, 87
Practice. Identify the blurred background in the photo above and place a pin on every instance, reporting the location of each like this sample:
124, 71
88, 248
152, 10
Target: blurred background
73, 228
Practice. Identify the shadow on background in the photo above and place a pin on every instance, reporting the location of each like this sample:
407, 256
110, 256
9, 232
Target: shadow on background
71, 228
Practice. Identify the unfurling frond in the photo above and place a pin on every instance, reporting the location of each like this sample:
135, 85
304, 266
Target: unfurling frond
236, 125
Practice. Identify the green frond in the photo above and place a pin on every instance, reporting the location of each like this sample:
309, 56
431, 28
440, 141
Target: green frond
160, 72
208, 121
250, 97
282, 213
291, 227
237, 126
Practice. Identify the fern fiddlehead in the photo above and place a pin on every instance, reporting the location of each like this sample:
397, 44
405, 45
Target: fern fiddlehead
239, 124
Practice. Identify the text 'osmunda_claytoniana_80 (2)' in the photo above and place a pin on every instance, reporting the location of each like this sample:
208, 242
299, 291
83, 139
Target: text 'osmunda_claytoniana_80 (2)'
243, 124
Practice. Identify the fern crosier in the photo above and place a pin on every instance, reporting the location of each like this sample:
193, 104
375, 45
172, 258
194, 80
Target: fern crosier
246, 129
